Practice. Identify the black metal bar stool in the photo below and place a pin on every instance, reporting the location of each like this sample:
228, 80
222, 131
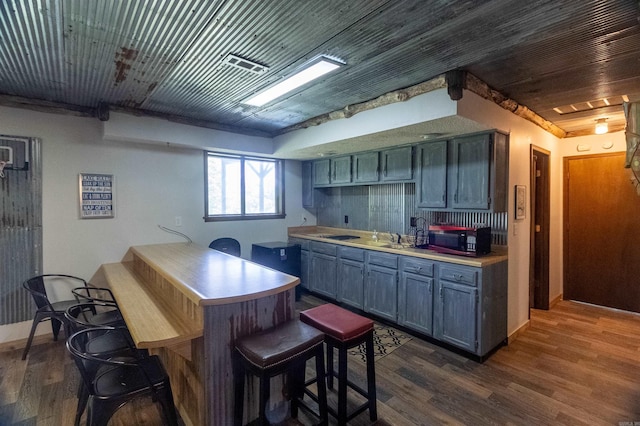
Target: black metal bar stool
282, 349
344, 330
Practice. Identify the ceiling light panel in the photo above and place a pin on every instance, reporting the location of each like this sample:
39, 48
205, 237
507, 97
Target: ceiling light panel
309, 72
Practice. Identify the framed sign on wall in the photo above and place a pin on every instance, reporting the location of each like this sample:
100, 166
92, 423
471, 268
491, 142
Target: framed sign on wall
96, 196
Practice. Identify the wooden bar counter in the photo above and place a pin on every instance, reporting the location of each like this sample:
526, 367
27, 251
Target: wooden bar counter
189, 304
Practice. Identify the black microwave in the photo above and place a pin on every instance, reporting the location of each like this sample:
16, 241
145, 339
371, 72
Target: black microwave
474, 241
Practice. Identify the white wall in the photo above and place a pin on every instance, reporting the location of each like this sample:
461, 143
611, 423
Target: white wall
153, 185
523, 134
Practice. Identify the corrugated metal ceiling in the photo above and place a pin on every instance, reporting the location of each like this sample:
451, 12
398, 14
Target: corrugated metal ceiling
165, 57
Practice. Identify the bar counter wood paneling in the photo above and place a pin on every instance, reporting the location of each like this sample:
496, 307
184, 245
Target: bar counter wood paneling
189, 304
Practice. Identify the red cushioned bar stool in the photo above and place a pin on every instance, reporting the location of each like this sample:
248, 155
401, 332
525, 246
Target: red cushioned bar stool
344, 330
281, 349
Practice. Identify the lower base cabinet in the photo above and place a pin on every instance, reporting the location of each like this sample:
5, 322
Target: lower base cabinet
351, 273
460, 305
457, 309
304, 260
304, 269
322, 269
381, 285
415, 295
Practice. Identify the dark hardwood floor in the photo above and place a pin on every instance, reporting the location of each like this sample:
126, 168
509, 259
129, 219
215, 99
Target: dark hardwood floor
575, 365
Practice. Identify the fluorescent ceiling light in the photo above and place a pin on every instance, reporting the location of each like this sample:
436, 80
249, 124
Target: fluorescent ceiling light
315, 69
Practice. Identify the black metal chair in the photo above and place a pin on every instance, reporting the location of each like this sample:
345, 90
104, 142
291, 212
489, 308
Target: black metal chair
118, 343
47, 309
112, 381
226, 245
109, 314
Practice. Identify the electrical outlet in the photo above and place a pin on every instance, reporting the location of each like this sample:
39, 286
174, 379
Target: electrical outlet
178, 220
413, 222
346, 219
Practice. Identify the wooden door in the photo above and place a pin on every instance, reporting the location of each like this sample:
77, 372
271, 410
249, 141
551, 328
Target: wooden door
540, 229
602, 232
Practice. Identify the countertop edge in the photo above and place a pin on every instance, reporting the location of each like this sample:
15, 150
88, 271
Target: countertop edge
477, 262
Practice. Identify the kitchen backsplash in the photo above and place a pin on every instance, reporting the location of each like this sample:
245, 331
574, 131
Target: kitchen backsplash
389, 208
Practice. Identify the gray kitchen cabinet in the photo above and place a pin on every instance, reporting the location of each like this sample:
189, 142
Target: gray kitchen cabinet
308, 199
471, 172
471, 306
365, 167
381, 285
466, 173
478, 172
396, 164
304, 269
321, 172
304, 260
457, 315
432, 175
463, 306
322, 268
332, 171
341, 170
351, 276
415, 294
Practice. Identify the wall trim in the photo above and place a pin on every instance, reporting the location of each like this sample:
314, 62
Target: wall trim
513, 336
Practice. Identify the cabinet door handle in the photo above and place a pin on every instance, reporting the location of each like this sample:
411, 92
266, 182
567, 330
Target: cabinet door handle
357, 168
457, 277
386, 159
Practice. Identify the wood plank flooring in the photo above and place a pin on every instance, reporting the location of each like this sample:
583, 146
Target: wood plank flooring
575, 365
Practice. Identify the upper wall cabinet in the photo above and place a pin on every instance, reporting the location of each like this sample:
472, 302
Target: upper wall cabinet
341, 169
432, 175
471, 172
322, 172
308, 199
396, 164
365, 167
474, 178
332, 171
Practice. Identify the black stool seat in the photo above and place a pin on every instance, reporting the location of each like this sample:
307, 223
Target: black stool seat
344, 330
282, 349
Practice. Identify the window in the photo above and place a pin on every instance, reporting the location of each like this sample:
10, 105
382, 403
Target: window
239, 187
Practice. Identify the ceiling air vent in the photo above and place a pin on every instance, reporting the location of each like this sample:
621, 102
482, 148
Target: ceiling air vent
245, 64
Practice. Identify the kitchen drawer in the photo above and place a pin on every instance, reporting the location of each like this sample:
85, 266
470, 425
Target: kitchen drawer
383, 259
304, 244
351, 253
417, 266
324, 248
468, 276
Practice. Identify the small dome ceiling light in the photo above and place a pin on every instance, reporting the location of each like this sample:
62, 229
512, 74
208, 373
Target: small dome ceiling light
601, 126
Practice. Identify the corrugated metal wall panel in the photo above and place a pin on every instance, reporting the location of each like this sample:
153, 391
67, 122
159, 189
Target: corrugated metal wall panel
20, 233
391, 206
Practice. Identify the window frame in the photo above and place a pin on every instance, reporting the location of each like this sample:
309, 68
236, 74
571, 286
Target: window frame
279, 183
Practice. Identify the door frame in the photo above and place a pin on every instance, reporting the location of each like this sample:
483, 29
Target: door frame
540, 215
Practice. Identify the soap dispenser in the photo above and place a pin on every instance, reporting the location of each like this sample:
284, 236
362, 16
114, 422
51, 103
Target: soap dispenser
374, 237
